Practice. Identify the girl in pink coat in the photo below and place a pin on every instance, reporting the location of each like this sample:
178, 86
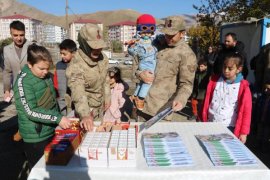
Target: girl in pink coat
228, 98
113, 114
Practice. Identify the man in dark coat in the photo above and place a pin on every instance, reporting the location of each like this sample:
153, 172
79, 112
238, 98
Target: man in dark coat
230, 45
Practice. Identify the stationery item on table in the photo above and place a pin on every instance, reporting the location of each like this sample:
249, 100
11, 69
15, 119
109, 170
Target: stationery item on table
225, 150
117, 148
93, 149
122, 150
165, 149
155, 119
62, 147
110, 126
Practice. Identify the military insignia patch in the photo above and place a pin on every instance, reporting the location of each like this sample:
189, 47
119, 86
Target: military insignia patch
168, 23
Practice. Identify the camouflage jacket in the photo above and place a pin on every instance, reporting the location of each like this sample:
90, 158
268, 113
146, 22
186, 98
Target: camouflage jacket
88, 83
174, 76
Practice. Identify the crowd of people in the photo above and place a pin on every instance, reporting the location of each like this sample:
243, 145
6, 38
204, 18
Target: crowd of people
165, 69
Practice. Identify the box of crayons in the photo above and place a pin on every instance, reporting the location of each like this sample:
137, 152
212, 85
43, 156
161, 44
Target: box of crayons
75, 128
64, 144
61, 148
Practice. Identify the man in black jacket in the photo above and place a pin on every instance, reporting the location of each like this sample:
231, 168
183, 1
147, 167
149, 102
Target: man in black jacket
230, 45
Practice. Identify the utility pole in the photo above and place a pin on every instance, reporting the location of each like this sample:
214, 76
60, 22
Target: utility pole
67, 26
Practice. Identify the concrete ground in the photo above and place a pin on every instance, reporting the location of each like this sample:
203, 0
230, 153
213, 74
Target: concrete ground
12, 159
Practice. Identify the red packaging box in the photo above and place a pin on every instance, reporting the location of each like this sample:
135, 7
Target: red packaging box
62, 147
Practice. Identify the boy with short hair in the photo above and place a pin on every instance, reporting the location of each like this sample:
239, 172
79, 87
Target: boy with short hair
68, 49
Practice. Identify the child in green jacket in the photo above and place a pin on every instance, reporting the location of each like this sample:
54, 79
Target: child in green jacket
35, 99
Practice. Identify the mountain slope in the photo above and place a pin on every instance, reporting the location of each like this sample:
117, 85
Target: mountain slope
10, 7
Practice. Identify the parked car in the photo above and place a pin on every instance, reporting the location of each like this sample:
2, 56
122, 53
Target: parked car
128, 62
114, 61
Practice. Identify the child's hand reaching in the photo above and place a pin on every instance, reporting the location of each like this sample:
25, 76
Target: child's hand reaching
131, 42
65, 123
243, 138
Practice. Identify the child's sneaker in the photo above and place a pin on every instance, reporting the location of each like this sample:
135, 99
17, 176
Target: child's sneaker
139, 104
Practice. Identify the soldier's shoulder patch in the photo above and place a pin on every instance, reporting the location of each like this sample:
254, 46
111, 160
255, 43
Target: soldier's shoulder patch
191, 68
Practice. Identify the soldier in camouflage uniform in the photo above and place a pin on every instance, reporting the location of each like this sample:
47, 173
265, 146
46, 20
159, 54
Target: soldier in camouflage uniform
87, 76
172, 81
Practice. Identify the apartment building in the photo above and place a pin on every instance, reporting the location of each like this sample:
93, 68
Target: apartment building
33, 27
122, 31
75, 27
53, 34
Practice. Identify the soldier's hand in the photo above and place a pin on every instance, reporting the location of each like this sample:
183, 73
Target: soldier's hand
65, 123
87, 123
177, 106
147, 76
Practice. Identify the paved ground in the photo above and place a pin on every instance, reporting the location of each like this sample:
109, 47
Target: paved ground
12, 160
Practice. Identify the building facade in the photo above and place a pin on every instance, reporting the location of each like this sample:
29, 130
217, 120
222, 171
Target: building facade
33, 27
75, 27
53, 34
122, 32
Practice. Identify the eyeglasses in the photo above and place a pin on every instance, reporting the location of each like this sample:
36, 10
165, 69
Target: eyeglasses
147, 28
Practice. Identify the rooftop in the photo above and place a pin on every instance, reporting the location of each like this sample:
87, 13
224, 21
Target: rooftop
16, 16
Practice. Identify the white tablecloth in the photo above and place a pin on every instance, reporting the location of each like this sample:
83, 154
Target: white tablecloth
203, 168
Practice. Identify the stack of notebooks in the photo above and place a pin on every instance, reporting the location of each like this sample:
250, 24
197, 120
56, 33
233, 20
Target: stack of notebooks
225, 150
165, 149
